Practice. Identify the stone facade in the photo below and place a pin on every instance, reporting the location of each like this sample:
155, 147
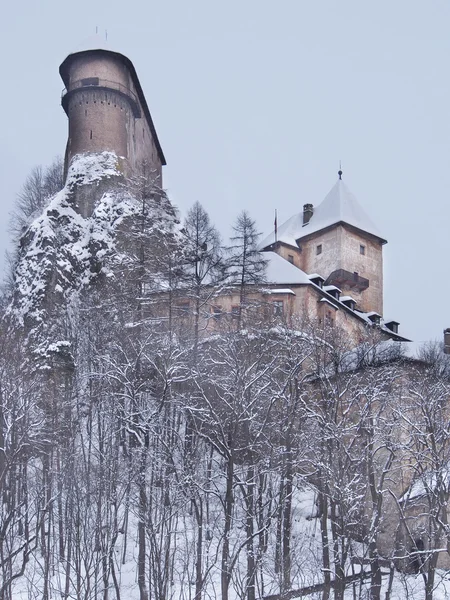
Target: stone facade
292, 307
344, 248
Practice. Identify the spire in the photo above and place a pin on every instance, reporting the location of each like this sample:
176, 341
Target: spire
340, 170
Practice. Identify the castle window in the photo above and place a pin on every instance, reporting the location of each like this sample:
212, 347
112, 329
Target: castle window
91, 134
85, 112
183, 308
278, 308
362, 249
217, 312
90, 81
291, 259
319, 249
235, 311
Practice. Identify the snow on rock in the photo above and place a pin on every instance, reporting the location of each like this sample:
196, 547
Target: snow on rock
92, 167
62, 251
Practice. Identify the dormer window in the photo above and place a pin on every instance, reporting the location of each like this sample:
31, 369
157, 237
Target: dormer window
317, 279
349, 302
319, 249
374, 317
291, 259
333, 291
392, 326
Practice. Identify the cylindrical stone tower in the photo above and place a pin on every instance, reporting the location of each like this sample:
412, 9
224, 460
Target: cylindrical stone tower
107, 110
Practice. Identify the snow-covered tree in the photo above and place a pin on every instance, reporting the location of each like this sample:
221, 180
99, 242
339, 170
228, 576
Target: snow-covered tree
246, 265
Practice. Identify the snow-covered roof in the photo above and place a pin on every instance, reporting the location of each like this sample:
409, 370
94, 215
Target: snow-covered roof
339, 206
316, 276
427, 482
282, 271
347, 299
391, 321
331, 288
328, 302
282, 291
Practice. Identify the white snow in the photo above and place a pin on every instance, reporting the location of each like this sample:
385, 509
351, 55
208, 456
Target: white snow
328, 302
282, 271
331, 288
339, 206
282, 291
60, 245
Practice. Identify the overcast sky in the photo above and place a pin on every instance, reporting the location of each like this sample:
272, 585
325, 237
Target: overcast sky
255, 102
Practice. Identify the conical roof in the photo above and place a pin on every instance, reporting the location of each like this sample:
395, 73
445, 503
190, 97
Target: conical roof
339, 206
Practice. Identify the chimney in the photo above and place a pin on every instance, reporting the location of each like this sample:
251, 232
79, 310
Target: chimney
308, 211
447, 341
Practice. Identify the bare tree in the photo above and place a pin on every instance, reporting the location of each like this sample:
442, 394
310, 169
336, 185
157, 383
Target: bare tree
40, 185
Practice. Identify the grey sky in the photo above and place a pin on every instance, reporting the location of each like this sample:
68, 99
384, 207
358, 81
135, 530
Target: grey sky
255, 102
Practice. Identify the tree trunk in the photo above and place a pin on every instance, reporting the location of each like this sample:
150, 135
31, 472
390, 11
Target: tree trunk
323, 511
225, 574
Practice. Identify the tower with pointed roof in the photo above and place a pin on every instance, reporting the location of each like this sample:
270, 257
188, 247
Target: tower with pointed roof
337, 241
107, 110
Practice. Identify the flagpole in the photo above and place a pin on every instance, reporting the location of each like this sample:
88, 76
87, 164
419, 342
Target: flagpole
275, 226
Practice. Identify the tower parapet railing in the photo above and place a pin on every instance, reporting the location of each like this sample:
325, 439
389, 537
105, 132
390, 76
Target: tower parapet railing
101, 85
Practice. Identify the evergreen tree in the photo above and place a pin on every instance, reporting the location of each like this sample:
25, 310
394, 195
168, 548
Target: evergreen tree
247, 265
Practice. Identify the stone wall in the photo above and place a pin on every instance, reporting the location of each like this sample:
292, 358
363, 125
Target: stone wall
339, 247
104, 116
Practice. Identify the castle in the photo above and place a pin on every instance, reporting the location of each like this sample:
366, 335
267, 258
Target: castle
326, 262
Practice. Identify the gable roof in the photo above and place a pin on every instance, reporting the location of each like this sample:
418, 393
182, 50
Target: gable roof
339, 206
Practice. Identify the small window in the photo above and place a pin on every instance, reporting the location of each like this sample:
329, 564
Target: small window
235, 311
329, 321
319, 249
291, 259
183, 308
91, 134
278, 308
217, 312
90, 81
362, 249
